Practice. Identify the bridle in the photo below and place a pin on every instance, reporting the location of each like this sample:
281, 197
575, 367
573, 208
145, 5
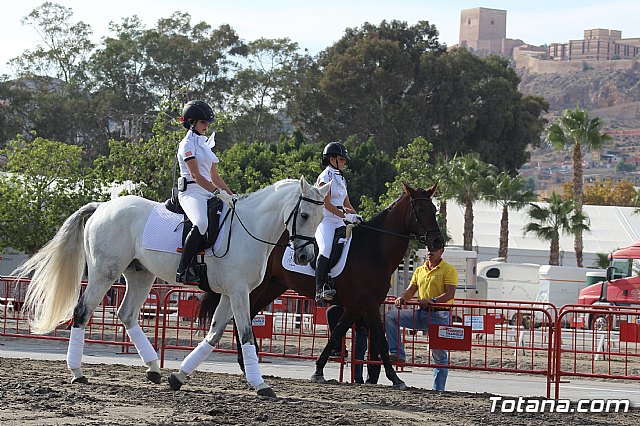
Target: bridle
294, 214
294, 235
423, 238
434, 231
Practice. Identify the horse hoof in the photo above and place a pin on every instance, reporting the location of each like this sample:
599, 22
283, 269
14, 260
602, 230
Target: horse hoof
154, 377
268, 392
174, 383
81, 380
401, 385
318, 378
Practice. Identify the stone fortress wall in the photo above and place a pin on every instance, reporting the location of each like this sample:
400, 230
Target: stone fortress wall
483, 30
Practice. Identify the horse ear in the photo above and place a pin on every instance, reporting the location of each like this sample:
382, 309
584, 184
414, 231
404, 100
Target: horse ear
432, 190
324, 189
304, 185
407, 189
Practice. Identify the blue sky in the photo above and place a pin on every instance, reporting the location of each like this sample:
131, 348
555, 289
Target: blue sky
314, 25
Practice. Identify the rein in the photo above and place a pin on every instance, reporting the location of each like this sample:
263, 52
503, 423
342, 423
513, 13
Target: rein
420, 238
293, 214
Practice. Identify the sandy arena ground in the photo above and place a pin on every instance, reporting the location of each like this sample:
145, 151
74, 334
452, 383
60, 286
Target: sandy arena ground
36, 392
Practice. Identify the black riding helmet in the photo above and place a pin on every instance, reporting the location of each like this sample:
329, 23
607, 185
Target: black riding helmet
334, 149
194, 111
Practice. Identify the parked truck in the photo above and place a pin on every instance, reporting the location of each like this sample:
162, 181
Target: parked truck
619, 287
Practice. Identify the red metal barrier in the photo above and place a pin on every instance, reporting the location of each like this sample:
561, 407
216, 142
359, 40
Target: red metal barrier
103, 327
610, 351
517, 337
293, 327
480, 340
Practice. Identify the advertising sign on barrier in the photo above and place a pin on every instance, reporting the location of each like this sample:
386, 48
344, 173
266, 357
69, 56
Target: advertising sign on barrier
278, 305
263, 326
320, 315
629, 332
450, 337
481, 323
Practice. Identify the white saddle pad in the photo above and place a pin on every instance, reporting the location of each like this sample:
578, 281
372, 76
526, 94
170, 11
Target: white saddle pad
290, 265
163, 231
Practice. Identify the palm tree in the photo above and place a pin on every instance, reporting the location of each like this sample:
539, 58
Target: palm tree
575, 129
507, 191
440, 172
466, 177
549, 222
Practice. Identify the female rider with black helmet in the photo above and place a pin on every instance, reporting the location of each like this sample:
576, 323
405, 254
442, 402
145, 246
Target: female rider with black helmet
337, 210
199, 178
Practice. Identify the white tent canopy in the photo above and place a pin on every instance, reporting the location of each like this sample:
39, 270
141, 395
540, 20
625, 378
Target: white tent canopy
610, 228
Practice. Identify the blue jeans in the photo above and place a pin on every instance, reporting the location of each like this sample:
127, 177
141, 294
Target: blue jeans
418, 321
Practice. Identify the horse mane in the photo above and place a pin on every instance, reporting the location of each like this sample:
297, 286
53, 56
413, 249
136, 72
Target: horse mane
279, 184
382, 215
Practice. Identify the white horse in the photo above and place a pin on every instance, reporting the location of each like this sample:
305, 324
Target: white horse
111, 244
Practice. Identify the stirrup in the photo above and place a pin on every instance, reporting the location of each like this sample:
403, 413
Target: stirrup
187, 277
325, 294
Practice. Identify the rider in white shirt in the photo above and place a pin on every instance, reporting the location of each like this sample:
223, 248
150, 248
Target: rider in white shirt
337, 210
199, 178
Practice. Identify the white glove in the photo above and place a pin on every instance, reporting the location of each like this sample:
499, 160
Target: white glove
227, 198
352, 218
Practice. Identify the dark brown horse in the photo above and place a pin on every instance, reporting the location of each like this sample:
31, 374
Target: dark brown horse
377, 248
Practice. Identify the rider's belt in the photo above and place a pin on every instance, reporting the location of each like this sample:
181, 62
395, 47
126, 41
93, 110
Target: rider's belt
435, 309
341, 208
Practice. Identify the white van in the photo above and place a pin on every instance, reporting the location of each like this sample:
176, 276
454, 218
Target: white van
561, 285
508, 282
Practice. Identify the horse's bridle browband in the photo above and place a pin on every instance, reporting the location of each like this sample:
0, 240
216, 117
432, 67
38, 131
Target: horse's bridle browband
420, 238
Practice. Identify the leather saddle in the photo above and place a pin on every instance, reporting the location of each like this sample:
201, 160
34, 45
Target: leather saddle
214, 209
337, 247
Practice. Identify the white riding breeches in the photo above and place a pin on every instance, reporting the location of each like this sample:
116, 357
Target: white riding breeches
324, 235
194, 204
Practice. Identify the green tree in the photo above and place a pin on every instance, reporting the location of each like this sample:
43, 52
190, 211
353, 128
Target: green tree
362, 85
508, 192
149, 164
179, 54
468, 173
261, 89
45, 184
118, 67
65, 45
560, 216
472, 104
574, 130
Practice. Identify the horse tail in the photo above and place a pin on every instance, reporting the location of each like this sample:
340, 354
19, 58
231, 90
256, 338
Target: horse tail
208, 304
56, 270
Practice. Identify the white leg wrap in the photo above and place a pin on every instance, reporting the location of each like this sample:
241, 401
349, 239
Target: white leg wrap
251, 369
77, 373
154, 366
142, 344
196, 357
75, 349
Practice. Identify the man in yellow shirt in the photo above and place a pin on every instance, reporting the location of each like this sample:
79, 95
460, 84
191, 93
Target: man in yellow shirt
436, 283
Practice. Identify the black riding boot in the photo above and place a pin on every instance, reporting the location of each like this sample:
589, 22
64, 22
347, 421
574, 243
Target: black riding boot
185, 273
323, 291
